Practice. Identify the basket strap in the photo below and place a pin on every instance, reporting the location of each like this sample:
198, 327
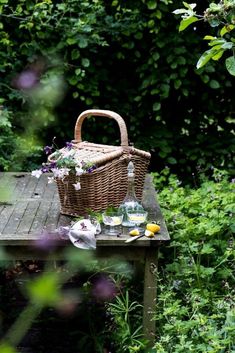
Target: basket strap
98, 112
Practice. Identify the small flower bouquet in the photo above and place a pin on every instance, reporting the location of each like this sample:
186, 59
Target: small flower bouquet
63, 161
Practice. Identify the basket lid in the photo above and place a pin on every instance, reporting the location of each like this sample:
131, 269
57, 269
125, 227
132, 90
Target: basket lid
99, 154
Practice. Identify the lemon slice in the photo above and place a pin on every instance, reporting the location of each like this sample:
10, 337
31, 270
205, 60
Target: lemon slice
134, 232
116, 220
148, 233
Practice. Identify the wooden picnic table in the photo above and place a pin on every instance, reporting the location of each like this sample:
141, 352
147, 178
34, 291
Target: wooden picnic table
34, 208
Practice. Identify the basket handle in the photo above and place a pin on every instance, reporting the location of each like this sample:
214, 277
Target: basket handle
99, 112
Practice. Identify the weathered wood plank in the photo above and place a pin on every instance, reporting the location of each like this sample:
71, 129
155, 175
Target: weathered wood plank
5, 215
38, 224
53, 216
28, 217
15, 218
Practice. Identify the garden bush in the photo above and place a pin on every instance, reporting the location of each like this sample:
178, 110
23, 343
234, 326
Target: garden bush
196, 297
127, 57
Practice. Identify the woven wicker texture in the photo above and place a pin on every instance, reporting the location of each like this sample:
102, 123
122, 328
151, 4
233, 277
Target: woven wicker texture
106, 185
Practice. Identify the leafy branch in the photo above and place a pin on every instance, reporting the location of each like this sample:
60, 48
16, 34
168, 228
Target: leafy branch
221, 15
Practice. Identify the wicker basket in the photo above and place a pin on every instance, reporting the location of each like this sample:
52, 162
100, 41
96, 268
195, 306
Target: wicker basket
107, 184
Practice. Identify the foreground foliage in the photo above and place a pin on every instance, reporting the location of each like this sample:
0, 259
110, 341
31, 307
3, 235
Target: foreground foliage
196, 310
196, 281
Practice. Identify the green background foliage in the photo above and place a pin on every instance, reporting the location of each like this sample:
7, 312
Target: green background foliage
127, 57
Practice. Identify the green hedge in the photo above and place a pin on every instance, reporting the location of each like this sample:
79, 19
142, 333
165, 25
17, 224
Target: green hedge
127, 57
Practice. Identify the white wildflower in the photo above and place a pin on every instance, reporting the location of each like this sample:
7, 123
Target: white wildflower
77, 186
36, 173
50, 180
79, 171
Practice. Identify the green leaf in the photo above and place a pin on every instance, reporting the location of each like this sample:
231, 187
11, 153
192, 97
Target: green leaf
189, 6
205, 57
209, 38
186, 22
71, 41
83, 43
75, 54
180, 11
230, 65
218, 55
226, 29
227, 45
152, 4
156, 106
171, 160
78, 72
214, 84
85, 62
216, 42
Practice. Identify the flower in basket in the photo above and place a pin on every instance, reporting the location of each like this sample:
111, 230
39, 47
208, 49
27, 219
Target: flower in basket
62, 162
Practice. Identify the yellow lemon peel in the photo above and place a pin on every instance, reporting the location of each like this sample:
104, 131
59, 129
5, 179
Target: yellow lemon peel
153, 227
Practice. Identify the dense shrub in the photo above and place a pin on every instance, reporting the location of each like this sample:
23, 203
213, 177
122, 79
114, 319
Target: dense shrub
128, 57
195, 311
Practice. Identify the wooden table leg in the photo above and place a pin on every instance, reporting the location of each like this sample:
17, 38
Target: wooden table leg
150, 293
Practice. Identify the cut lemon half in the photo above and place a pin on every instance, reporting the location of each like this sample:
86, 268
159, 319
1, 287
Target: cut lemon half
134, 232
148, 233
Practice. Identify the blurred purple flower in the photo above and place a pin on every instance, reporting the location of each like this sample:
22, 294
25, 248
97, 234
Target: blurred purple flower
48, 149
69, 145
47, 241
26, 79
104, 288
233, 181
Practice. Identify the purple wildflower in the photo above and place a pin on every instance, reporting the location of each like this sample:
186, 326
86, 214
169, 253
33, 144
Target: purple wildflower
233, 181
104, 288
48, 149
52, 165
90, 170
45, 169
69, 145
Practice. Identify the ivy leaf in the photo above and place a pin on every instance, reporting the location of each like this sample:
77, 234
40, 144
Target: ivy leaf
186, 22
230, 65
